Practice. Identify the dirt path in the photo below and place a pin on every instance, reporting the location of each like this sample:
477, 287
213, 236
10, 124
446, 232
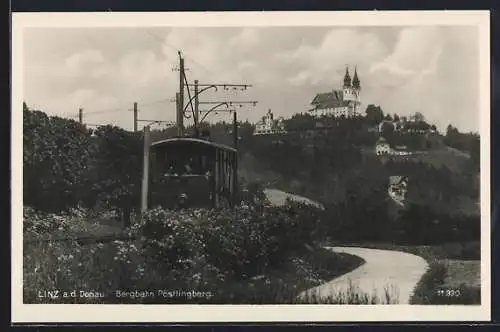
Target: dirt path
385, 270
278, 197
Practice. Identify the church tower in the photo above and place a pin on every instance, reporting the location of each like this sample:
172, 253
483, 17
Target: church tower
356, 84
349, 91
347, 79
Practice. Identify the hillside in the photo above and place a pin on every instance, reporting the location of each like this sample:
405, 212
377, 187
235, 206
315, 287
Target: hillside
326, 159
338, 168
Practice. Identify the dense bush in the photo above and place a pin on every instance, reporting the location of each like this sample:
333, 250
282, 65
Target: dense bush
419, 224
194, 249
115, 169
65, 164
55, 159
242, 242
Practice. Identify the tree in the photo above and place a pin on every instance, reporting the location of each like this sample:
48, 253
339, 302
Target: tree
419, 117
387, 130
55, 155
116, 168
388, 117
396, 117
374, 114
451, 131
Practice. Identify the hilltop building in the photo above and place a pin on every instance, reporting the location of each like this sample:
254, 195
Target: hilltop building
268, 125
344, 103
383, 148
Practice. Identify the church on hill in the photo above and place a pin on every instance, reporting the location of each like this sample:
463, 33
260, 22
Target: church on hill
343, 103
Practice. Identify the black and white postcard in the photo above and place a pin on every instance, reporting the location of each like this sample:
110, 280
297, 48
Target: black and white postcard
250, 167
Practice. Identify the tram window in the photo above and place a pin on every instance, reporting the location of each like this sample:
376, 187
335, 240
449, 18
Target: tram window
203, 164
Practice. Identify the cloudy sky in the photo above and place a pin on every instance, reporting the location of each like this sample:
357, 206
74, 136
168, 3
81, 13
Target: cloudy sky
433, 70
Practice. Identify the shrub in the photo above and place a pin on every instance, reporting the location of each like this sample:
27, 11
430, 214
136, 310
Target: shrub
242, 242
170, 238
55, 156
63, 164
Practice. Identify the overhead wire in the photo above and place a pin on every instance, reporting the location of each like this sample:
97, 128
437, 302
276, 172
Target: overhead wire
124, 109
172, 47
176, 49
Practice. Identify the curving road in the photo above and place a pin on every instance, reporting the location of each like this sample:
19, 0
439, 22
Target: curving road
279, 197
394, 272
384, 270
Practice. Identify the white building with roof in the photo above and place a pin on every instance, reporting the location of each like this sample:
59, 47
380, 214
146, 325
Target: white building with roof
382, 147
340, 103
268, 125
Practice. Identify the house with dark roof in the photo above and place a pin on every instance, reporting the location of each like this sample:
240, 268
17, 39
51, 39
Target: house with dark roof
268, 125
340, 103
398, 188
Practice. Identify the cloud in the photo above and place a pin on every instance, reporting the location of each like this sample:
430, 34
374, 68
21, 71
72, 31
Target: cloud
403, 69
142, 68
423, 79
324, 64
411, 53
85, 63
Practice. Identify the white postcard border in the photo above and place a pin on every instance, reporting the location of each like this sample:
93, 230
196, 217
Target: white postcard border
38, 313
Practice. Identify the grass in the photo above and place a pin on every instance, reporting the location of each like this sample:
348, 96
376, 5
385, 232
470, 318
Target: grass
105, 268
279, 197
433, 288
453, 276
68, 265
298, 274
462, 272
456, 251
56, 260
350, 295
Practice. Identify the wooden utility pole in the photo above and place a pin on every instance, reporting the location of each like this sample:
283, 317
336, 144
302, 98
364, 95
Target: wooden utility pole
145, 171
135, 116
235, 130
235, 161
80, 115
180, 104
196, 106
180, 115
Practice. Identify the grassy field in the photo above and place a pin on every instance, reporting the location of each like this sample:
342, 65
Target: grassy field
453, 276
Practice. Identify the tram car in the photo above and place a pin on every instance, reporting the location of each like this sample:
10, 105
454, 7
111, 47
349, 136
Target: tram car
192, 172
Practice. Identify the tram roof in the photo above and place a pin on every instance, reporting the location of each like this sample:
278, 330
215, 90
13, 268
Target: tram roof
190, 140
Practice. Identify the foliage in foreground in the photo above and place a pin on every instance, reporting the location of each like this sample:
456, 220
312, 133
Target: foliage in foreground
66, 164
222, 252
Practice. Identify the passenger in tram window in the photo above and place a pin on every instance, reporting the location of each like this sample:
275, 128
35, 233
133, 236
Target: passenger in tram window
188, 169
